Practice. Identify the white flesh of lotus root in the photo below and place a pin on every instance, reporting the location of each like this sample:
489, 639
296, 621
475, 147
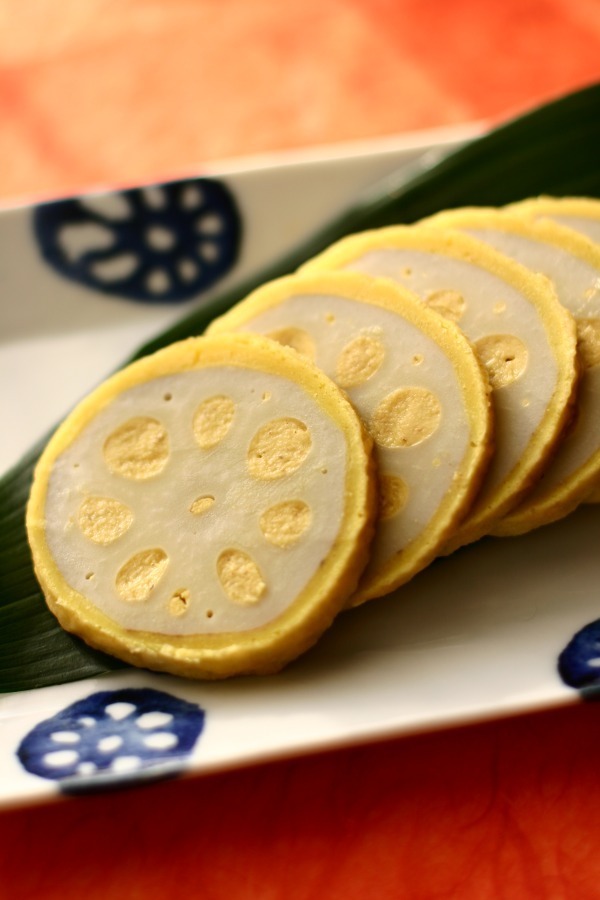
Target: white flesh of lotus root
573, 265
499, 305
406, 388
207, 510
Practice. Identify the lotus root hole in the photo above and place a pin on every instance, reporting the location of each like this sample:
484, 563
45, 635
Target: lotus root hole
278, 449
406, 417
284, 524
505, 357
359, 360
588, 341
393, 496
138, 577
138, 449
448, 303
202, 504
212, 421
296, 338
103, 520
240, 577
179, 602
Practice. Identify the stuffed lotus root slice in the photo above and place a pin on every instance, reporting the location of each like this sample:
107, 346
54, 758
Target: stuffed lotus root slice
137, 449
178, 573
285, 523
212, 421
414, 381
505, 357
406, 417
581, 214
104, 520
534, 233
278, 449
501, 297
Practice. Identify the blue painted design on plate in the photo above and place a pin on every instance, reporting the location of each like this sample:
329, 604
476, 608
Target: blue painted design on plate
113, 737
166, 243
579, 662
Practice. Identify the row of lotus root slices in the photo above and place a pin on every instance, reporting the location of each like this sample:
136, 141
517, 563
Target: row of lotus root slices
408, 391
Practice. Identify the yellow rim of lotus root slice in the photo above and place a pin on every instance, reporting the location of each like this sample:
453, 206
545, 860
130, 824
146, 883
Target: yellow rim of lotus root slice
581, 214
346, 322
572, 263
501, 491
242, 359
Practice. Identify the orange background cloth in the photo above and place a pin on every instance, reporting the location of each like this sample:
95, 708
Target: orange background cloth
130, 91
114, 91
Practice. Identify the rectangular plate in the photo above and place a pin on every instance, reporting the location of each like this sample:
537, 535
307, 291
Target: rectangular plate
475, 636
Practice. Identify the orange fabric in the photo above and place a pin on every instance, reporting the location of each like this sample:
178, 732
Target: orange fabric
504, 811
120, 91
127, 91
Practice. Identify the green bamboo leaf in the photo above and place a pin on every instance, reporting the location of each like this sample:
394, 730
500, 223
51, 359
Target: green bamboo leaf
553, 150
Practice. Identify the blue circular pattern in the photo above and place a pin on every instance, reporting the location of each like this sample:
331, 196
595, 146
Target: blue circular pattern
111, 737
162, 244
579, 662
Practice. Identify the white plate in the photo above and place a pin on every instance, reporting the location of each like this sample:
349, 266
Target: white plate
475, 636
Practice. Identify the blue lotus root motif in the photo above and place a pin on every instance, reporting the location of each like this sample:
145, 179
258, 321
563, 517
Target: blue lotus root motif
579, 662
120, 733
159, 244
